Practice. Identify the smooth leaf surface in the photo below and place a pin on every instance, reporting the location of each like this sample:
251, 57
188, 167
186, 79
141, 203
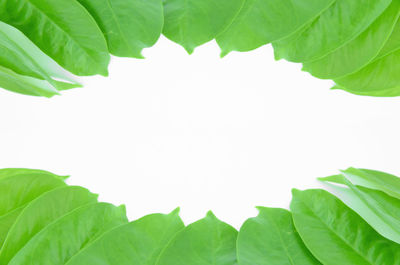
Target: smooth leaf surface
205, 242
19, 190
66, 237
63, 29
337, 235
380, 210
260, 22
128, 25
393, 42
270, 238
12, 172
380, 78
25, 85
192, 23
6, 222
360, 51
340, 23
373, 179
40, 213
139, 242
20, 55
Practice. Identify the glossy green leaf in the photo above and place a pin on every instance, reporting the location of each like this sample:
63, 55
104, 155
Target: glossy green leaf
139, 242
6, 221
260, 22
393, 42
25, 85
63, 29
270, 238
380, 78
23, 57
19, 190
380, 210
40, 213
342, 22
128, 25
337, 235
192, 23
67, 236
360, 51
12, 172
373, 179
205, 242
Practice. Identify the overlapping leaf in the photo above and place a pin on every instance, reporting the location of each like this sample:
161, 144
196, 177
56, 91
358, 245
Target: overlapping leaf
353, 42
270, 238
337, 235
128, 25
52, 223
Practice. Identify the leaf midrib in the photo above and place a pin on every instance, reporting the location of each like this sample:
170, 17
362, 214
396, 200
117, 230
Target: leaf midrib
336, 234
63, 31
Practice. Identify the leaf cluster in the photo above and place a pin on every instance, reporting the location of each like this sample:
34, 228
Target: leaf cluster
356, 43
44, 221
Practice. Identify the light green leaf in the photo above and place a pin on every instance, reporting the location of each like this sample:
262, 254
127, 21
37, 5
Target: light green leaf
139, 242
393, 42
25, 85
11, 172
373, 179
192, 23
40, 213
380, 210
343, 21
62, 239
360, 51
205, 242
19, 190
337, 235
63, 29
6, 222
260, 22
270, 239
128, 25
23, 57
380, 78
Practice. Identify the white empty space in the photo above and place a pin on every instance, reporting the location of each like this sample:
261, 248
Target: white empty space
200, 132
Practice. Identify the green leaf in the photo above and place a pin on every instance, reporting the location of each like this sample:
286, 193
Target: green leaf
270, 238
25, 85
23, 57
205, 242
337, 235
373, 179
139, 242
360, 51
12, 172
260, 22
380, 78
19, 190
63, 29
342, 22
128, 25
393, 42
6, 222
380, 210
192, 23
62, 239
40, 213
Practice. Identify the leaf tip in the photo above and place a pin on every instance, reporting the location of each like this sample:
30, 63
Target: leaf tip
176, 211
211, 215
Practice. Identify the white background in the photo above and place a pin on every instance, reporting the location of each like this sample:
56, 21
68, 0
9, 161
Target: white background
200, 132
